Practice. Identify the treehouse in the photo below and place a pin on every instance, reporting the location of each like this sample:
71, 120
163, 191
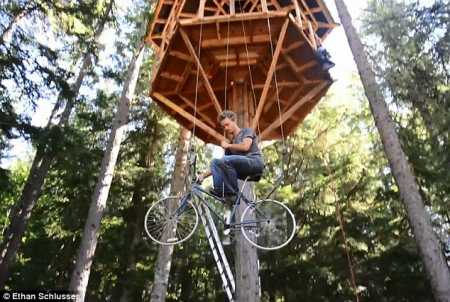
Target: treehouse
252, 56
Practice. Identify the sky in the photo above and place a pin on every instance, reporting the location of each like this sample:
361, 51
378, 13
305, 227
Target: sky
336, 44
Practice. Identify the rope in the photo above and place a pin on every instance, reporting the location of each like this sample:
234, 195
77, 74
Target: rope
226, 83
192, 160
344, 236
284, 152
346, 248
226, 63
276, 86
249, 68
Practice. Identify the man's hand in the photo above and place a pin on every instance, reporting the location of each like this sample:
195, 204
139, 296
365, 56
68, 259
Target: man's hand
224, 144
201, 177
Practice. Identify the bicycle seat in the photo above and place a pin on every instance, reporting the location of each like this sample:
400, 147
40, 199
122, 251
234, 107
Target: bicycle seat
254, 177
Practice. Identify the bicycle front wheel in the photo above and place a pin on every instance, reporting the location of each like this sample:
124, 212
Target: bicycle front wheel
268, 224
171, 220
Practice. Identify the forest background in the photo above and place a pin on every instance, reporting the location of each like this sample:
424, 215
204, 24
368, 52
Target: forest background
335, 168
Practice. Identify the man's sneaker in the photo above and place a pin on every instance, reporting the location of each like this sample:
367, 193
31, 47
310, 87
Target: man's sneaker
230, 200
223, 196
227, 217
215, 193
226, 240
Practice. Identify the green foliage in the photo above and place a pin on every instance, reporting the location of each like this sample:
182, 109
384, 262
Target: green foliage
413, 45
334, 166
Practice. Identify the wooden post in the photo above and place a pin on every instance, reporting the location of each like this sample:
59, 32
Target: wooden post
232, 7
264, 6
201, 9
246, 261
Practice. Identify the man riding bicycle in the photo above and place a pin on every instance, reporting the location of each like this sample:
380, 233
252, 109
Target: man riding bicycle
242, 157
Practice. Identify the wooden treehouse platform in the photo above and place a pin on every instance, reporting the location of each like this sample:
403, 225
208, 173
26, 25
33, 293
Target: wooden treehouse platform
235, 39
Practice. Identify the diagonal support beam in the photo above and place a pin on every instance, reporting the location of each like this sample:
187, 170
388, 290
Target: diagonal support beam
188, 116
287, 114
207, 84
220, 7
185, 76
270, 74
200, 113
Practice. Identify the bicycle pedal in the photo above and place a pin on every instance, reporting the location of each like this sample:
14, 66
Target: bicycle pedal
227, 231
173, 239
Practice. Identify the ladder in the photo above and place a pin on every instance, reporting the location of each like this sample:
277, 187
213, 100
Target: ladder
222, 263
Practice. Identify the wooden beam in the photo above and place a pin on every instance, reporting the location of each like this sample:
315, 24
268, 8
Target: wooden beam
300, 30
270, 73
156, 14
171, 76
327, 15
255, 4
280, 84
312, 34
232, 7
293, 46
293, 67
188, 116
234, 18
187, 15
201, 9
275, 3
282, 66
219, 37
201, 114
220, 7
264, 6
305, 66
327, 25
232, 41
308, 11
185, 76
287, 114
180, 55
236, 63
206, 82
298, 12
247, 2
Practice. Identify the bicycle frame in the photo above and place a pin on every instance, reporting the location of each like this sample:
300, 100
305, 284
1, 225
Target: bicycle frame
197, 191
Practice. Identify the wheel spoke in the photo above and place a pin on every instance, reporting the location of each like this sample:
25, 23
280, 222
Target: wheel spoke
167, 223
274, 226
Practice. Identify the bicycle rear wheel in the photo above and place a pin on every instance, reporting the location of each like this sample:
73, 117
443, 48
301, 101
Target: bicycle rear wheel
171, 220
268, 224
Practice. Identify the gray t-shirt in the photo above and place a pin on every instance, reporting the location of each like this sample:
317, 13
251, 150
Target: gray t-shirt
244, 133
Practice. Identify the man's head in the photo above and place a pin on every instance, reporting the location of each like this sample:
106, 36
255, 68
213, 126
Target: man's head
227, 119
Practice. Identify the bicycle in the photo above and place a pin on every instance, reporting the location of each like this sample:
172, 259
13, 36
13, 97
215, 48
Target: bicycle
266, 224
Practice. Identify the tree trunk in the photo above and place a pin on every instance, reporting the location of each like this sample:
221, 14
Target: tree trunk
21, 211
136, 220
80, 274
9, 30
136, 231
429, 248
246, 256
164, 260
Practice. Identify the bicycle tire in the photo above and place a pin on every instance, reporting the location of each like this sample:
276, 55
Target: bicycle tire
268, 224
167, 223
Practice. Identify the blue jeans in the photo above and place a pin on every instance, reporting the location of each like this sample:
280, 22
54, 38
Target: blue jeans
227, 170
